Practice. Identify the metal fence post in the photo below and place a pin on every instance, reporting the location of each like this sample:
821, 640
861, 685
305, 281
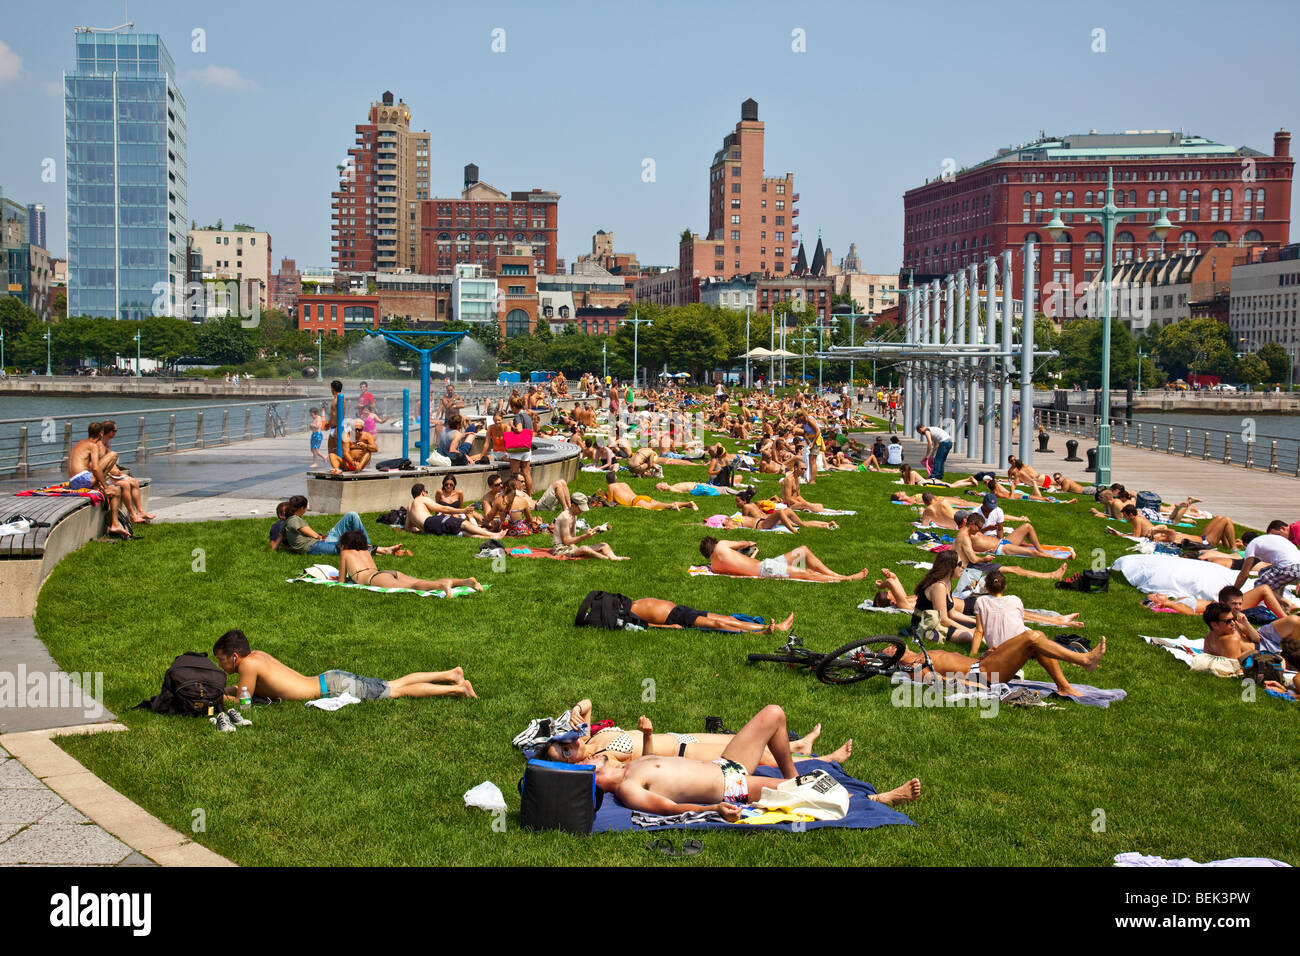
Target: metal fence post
225, 426
198, 440
1250, 454
22, 451
248, 424
1205, 455
1187, 445
141, 443
1139, 435
1155, 432
171, 432
1227, 451
67, 440
1170, 448
1272, 457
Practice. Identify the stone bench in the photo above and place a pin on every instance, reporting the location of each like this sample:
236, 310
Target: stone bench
26, 560
377, 491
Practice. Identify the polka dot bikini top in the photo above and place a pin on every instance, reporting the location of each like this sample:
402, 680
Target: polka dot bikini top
622, 744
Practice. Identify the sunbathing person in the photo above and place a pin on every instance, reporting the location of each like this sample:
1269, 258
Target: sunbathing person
1067, 485
1290, 650
644, 463
892, 594
620, 492
933, 614
1229, 595
790, 491
298, 537
1231, 635
1000, 664
129, 484
452, 497
755, 517
86, 474
1219, 531
264, 676
427, 515
660, 613
800, 564
358, 447
581, 744
357, 566
568, 543
668, 785
1022, 542
598, 453
697, 488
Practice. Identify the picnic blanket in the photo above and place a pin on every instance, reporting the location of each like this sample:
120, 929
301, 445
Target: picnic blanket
540, 553
308, 578
62, 490
1088, 696
864, 813
1192, 653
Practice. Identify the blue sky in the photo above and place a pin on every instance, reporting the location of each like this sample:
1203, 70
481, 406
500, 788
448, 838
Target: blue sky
583, 93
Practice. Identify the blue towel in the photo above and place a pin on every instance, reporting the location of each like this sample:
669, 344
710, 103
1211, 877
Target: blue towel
1089, 696
864, 814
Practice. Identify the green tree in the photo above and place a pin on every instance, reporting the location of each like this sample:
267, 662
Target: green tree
225, 342
1196, 345
1278, 361
1252, 369
1080, 346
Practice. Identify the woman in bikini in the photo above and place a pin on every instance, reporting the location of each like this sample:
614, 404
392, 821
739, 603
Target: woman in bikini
453, 497
752, 516
357, 566
621, 745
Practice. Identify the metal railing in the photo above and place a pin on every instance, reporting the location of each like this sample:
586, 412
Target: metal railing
1274, 454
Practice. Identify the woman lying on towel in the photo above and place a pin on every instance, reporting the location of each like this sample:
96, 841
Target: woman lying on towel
357, 566
891, 594
620, 745
752, 516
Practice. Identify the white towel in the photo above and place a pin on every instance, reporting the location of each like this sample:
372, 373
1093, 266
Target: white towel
334, 703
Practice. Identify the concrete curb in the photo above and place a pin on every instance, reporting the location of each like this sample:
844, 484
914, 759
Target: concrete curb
103, 805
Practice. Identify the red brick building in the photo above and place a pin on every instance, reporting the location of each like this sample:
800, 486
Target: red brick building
1217, 195
337, 314
485, 221
516, 275
286, 285
752, 225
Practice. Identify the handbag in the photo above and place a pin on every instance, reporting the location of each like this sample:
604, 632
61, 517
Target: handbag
518, 441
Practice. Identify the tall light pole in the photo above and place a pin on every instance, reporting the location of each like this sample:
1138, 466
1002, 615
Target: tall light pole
320, 375
137, 353
636, 323
49, 345
2, 350
746, 346
604, 363
1109, 215
803, 354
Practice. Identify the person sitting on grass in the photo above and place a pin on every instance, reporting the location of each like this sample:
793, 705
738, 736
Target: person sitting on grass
1229, 595
620, 492
582, 743
933, 615
799, 564
1230, 635
892, 594
265, 676
357, 566
790, 493
297, 536
670, 785
1022, 542
568, 543
660, 613
450, 496
432, 516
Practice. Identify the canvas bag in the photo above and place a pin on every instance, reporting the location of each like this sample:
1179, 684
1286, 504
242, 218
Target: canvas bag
816, 794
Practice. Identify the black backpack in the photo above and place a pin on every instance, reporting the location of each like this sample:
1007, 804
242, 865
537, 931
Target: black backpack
192, 686
603, 609
395, 518
1086, 581
1260, 666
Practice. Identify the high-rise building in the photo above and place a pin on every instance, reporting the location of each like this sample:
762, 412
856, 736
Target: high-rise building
126, 172
485, 222
1217, 195
36, 224
752, 216
375, 211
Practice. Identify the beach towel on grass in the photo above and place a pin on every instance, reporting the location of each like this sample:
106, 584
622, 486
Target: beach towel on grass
540, 553
308, 577
703, 570
864, 813
1192, 653
1088, 696
62, 491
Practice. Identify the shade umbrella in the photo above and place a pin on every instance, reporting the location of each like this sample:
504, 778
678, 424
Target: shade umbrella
758, 352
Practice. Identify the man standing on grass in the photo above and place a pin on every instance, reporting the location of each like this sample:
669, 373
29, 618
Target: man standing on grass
264, 676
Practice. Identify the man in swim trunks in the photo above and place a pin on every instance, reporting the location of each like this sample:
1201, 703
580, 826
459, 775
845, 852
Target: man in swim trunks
1023, 541
699, 489
427, 516
669, 785
129, 484
264, 676
660, 613
85, 473
621, 493
1001, 663
968, 546
729, 557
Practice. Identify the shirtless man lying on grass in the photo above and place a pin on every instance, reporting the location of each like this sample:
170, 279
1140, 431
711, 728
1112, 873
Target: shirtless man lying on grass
668, 785
264, 676
660, 613
1219, 532
729, 557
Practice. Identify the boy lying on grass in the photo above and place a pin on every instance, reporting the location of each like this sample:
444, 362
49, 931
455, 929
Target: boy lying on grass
668, 785
264, 676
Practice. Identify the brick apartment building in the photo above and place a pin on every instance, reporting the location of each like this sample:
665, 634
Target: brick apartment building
286, 286
374, 212
752, 225
1217, 195
337, 313
484, 222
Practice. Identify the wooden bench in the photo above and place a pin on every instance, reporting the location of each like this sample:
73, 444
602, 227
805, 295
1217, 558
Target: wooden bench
26, 560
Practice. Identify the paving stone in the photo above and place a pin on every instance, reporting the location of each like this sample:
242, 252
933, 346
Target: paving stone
9, 829
29, 806
14, 776
136, 859
65, 843
64, 814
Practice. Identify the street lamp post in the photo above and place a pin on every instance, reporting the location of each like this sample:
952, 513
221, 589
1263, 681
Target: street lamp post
604, 363
2, 350
1110, 215
320, 375
49, 345
137, 353
746, 346
636, 323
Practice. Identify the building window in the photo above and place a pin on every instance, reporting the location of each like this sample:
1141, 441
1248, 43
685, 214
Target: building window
735, 220
735, 187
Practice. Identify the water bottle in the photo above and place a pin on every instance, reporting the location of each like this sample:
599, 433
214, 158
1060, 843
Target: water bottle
245, 701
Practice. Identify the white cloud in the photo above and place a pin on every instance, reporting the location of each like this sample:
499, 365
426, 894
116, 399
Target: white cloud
52, 87
11, 64
220, 77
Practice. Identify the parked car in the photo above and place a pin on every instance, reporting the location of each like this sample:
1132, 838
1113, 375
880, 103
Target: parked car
1223, 387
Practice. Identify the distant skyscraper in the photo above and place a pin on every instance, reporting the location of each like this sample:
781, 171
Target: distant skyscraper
36, 224
127, 212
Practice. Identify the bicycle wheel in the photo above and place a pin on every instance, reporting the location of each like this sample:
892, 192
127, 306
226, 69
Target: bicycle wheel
863, 658
793, 660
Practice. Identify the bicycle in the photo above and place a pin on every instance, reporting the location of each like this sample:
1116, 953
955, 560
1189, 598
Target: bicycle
856, 661
274, 423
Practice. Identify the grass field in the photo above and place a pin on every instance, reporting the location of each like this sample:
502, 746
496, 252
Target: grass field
1183, 767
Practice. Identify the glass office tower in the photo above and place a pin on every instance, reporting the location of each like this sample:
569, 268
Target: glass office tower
124, 127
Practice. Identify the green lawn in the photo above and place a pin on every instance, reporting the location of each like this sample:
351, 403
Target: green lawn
1183, 767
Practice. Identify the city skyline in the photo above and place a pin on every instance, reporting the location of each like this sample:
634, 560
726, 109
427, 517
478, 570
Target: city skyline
563, 106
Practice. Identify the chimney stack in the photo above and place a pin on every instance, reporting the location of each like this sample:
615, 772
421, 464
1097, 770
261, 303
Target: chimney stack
1282, 144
